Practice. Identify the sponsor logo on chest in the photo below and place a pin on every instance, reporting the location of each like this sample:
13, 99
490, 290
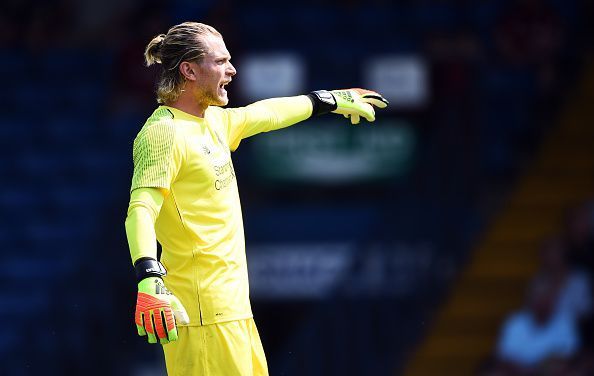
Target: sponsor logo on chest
218, 158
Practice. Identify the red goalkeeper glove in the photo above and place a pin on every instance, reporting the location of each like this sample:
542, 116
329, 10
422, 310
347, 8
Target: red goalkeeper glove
157, 309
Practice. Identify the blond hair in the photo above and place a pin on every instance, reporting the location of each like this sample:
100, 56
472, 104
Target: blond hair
183, 42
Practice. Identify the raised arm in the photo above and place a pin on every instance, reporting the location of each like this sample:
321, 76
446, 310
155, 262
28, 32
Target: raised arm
276, 113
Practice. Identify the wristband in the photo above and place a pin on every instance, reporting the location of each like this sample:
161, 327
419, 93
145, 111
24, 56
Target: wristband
147, 267
323, 102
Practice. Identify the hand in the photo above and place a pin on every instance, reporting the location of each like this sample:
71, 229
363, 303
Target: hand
355, 103
157, 311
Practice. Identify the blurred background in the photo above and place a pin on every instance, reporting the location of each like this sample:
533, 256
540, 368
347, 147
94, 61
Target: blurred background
452, 237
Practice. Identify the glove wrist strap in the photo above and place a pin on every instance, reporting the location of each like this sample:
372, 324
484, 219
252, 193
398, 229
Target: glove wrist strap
323, 102
147, 267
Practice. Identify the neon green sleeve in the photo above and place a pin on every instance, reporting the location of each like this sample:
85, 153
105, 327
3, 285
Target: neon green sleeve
264, 116
143, 210
158, 154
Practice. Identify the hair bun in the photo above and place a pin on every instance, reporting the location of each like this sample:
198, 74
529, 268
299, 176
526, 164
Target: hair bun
152, 53
159, 42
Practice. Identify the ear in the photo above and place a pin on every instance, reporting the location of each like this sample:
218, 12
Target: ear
188, 70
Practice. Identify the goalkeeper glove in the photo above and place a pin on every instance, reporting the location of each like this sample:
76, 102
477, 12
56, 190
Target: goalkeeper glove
157, 309
353, 103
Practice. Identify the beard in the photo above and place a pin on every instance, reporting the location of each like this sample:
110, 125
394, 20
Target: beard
213, 97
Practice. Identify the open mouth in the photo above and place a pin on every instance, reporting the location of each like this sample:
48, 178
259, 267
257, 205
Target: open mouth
222, 85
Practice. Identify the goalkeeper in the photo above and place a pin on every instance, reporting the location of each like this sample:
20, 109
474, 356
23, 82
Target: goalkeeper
184, 194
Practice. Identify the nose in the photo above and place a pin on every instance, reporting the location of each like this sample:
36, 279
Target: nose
231, 70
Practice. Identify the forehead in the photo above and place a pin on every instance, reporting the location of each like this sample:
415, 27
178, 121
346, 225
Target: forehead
216, 46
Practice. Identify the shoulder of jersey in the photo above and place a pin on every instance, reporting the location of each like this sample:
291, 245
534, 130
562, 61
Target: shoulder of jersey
161, 116
159, 126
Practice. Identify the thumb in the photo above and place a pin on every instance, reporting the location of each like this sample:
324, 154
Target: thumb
372, 97
375, 99
181, 316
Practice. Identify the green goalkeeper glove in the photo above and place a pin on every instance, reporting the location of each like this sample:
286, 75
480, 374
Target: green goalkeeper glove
352, 103
157, 309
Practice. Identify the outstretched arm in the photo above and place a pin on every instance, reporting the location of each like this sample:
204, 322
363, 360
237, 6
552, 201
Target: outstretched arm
265, 116
276, 113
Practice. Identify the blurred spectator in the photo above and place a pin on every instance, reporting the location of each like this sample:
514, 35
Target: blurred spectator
538, 338
553, 335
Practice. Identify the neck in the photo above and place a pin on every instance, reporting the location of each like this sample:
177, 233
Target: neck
189, 105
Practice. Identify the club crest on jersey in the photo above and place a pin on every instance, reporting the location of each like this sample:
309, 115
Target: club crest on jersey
205, 150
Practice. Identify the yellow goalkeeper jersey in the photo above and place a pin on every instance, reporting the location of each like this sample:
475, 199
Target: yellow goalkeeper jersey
200, 224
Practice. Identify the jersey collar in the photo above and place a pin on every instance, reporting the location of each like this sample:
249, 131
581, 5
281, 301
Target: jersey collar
179, 114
